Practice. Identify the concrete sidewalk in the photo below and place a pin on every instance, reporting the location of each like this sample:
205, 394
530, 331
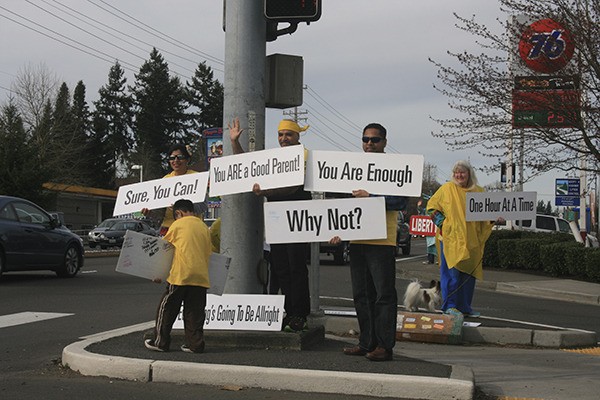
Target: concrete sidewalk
418, 370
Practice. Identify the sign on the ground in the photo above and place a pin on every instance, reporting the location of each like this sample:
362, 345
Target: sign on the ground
252, 312
320, 220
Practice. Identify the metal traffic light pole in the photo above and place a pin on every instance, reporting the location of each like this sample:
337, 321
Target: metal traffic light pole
242, 229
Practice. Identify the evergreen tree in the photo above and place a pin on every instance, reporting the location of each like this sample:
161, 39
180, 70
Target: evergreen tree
160, 117
111, 133
21, 175
205, 95
80, 115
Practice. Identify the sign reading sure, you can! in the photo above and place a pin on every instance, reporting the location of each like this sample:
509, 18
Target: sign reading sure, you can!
159, 193
377, 173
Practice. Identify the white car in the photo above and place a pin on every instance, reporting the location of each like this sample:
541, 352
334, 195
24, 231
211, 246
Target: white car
549, 223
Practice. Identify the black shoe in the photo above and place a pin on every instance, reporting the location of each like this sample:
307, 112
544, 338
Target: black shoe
296, 324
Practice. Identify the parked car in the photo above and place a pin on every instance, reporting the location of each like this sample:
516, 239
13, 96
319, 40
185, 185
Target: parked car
403, 236
94, 234
31, 239
114, 235
542, 223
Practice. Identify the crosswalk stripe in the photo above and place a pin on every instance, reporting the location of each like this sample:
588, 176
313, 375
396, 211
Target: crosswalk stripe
28, 317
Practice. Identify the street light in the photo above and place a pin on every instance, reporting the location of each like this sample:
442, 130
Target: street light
141, 168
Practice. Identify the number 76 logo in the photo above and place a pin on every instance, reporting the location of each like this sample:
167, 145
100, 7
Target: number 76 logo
546, 46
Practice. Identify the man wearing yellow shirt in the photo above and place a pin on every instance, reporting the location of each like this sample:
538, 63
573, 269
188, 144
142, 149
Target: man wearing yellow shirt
373, 272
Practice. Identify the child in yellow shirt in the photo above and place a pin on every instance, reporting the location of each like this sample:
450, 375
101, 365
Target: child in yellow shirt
187, 281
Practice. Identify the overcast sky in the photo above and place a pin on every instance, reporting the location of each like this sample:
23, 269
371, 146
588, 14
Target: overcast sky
364, 61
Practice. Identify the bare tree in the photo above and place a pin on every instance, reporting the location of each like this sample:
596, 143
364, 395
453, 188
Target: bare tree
34, 87
480, 87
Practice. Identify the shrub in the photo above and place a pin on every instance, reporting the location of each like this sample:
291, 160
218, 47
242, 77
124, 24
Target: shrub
592, 264
557, 258
528, 253
507, 256
491, 253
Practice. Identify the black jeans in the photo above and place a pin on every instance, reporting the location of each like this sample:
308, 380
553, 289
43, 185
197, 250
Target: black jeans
288, 262
373, 272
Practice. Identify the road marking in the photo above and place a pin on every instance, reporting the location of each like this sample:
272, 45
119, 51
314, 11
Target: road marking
27, 317
535, 324
93, 271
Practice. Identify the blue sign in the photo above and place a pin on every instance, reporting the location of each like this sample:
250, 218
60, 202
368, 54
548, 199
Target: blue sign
567, 192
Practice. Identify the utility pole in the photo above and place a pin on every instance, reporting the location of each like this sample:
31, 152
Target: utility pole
242, 233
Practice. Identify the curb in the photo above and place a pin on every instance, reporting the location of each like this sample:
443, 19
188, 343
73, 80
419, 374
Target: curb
558, 339
460, 385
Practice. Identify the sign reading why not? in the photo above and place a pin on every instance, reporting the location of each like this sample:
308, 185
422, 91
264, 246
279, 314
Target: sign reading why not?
320, 220
160, 193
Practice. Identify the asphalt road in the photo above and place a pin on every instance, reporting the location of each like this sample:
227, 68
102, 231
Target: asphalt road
99, 299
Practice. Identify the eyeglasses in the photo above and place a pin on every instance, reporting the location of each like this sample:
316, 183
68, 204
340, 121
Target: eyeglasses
179, 157
373, 139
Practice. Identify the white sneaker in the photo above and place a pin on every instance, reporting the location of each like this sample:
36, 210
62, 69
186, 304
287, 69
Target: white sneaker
150, 345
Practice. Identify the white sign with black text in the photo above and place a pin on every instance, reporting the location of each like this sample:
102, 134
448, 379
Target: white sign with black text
275, 168
488, 206
377, 173
251, 312
150, 257
320, 220
159, 193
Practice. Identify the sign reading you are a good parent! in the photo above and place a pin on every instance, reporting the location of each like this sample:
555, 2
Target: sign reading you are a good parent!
320, 220
159, 193
488, 206
273, 168
377, 173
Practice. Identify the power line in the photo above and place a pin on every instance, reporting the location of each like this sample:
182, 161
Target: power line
90, 52
332, 109
171, 40
100, 23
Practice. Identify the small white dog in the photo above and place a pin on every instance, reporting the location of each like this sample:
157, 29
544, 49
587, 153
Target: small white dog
417, 296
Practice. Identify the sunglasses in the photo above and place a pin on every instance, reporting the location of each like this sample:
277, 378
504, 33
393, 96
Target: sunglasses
179, 157
373, 139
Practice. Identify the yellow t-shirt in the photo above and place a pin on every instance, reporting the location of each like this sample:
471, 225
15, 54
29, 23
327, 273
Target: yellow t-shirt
391, 223
464, 242
215, 235
168, 218
191, 239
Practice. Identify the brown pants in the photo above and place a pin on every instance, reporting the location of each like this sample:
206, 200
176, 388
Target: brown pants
194, 303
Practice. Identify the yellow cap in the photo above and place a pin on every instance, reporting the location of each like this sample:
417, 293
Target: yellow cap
289, 125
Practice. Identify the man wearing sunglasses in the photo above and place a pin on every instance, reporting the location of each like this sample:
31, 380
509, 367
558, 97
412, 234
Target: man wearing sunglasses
288, 260
373, 272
